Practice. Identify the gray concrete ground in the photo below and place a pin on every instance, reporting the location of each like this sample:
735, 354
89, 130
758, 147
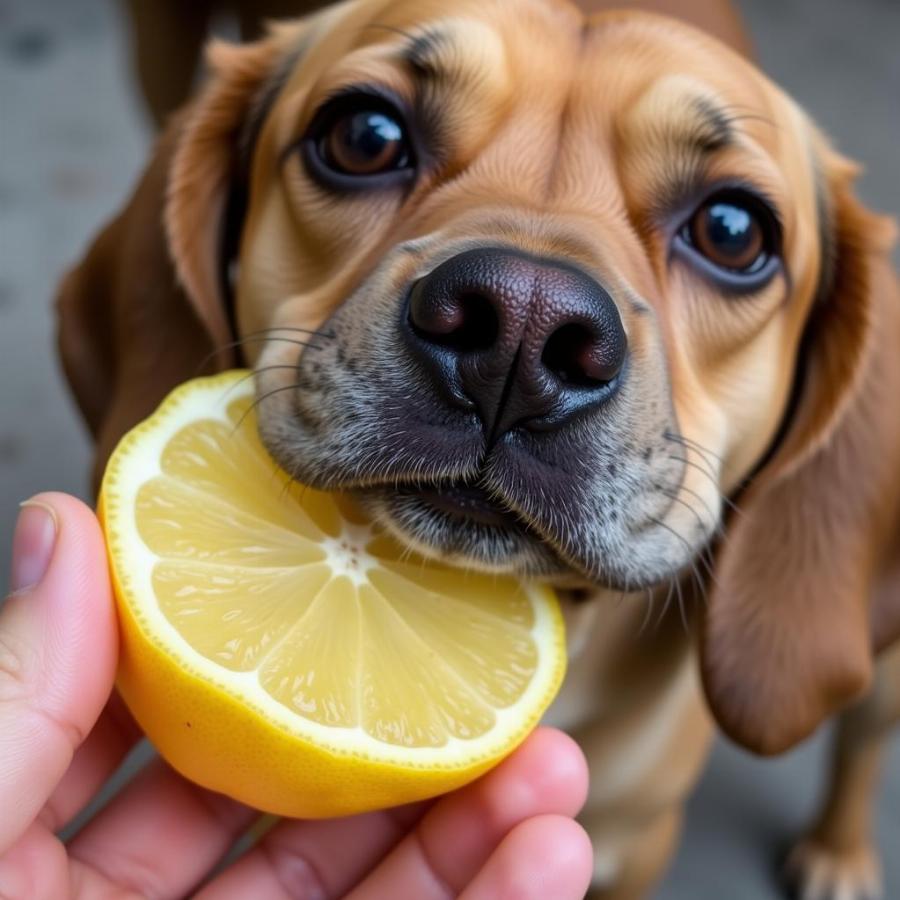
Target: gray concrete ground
72, 138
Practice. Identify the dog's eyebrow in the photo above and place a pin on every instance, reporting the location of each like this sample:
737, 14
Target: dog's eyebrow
423, 53
710, 127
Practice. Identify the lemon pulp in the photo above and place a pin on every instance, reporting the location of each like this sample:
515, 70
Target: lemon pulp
279, 647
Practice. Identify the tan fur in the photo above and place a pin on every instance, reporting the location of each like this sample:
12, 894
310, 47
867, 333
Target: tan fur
564, 132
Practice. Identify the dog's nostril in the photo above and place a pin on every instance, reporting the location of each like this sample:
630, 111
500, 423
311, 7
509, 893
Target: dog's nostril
578, 356
463, 322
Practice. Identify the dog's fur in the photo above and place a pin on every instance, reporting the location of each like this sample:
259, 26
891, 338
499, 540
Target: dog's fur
746, 480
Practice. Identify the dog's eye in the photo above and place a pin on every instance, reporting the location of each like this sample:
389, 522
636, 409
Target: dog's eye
736, 233
356, 141
365, 143
728, 235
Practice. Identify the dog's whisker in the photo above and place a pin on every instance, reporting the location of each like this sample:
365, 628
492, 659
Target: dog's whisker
682, 606
648, 615
665, 607
393, 29
723, 497
712, 468
312, 332
674, 495
713, 516
250, 339
691, 551
734, 114
253, 406
259, 371
696, 445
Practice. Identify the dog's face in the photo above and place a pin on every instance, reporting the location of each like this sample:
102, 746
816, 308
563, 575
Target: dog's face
558, 275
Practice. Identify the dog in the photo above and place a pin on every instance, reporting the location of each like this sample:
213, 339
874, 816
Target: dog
587, 299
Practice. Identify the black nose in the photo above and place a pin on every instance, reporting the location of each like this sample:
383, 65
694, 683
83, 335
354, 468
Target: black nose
527, 341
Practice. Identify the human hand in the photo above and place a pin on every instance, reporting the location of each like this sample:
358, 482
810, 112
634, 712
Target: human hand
510, 834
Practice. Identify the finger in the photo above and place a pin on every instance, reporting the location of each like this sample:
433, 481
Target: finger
35, 867
314, 859
160, 816
325, 859
109, 742
547, 856
453, 841
57, 652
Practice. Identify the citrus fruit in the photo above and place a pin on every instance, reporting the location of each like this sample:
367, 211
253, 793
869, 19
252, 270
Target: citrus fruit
279, 648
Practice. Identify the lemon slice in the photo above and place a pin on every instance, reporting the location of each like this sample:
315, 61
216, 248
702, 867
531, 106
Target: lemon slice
280, 648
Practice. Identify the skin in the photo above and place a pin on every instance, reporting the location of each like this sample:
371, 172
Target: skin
61, 736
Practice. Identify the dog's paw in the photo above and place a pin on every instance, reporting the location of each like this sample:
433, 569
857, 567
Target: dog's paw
815, 871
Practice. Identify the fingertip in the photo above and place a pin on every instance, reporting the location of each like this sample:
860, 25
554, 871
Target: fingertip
72, 606
552, 767
562, 754
545, 856
568, 847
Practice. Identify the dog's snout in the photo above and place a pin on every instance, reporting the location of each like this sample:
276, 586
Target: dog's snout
526, 341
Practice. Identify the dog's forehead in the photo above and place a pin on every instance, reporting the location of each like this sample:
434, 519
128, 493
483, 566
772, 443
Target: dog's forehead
546, 52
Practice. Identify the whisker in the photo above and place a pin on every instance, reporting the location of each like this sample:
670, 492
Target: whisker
666, 604
253, 373
647, 615
250, 339
678, 499
712, 469
392, 29
713, 516
252, 407
724, 498
312, 332
735, 116
682, 606
690, 442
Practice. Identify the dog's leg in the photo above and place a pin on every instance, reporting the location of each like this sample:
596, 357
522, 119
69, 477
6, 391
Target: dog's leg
641, 774
630, 871
838, 858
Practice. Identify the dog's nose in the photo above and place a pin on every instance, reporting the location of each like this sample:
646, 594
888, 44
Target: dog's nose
526, 341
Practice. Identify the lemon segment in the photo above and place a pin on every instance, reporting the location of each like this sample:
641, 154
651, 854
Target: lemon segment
280, 648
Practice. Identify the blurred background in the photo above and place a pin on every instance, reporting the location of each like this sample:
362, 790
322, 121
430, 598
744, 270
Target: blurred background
74, 133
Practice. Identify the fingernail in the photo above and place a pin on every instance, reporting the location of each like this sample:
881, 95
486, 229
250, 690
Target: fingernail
33, 543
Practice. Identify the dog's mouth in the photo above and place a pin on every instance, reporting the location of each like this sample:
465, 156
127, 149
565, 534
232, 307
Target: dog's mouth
467, 502
461, 521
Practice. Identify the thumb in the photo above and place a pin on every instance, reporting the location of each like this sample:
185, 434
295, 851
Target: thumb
57, 652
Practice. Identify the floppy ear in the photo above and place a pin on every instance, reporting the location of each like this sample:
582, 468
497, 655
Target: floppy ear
146, 307
789, 633
209, 170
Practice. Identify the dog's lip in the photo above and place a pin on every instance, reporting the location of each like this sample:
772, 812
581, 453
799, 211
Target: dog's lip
467, 502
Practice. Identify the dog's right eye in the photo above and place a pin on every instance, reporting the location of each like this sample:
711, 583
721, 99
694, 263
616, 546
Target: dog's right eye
357, 142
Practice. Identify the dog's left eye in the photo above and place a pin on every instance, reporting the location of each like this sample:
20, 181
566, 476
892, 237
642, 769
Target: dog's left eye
735, 237
356, 141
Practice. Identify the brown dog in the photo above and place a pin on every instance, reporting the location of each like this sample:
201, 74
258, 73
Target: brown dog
591, 301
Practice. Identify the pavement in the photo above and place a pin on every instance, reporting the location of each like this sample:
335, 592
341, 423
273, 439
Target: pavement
73, 138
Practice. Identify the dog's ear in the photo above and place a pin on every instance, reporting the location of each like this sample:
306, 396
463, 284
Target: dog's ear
209, 157
145, 308
789, 633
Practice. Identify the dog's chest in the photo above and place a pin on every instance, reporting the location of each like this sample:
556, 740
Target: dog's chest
632, 682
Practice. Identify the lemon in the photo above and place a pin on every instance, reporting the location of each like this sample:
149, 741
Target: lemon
279, 648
